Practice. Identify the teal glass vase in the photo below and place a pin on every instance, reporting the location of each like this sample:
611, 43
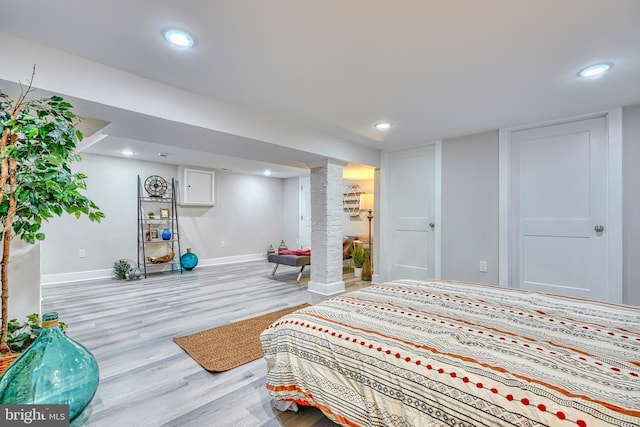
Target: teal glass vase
53, 370
189, 260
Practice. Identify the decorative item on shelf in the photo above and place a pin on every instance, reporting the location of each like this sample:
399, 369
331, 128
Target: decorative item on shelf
156, 186
151, 215
166, 234
165, 213
358, 260
53, 370
161, 259
366, 268
271, 251
282, 247
153, 233
189, 260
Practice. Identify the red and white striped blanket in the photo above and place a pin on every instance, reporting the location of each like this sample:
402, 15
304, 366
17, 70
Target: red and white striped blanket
415, 353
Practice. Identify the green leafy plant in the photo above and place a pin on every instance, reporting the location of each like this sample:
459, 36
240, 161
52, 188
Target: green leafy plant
22, 335
37, 147
358, 256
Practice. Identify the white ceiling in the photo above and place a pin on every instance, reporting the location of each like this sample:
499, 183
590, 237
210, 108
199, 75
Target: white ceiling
435, 68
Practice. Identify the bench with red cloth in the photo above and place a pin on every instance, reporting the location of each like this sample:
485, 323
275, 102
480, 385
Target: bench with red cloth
293, 257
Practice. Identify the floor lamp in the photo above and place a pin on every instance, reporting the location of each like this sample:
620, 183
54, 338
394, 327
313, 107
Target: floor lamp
366, 203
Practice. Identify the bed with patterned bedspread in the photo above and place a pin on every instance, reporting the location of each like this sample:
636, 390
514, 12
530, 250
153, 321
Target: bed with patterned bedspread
415, 353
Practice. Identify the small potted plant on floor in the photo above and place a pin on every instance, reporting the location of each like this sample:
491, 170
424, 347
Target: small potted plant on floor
358, 260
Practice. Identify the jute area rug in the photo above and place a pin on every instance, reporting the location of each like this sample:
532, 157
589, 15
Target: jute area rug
229, 346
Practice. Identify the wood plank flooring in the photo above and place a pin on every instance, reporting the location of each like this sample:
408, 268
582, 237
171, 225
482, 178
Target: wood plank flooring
145, 378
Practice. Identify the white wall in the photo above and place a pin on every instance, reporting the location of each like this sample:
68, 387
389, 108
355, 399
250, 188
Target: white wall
631, 204
470, 207
24, 280
247, 217
291, 214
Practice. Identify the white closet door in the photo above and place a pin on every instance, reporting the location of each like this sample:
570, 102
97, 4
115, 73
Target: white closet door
559, 194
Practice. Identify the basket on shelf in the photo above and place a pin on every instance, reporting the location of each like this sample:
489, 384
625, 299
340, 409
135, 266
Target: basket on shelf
5, 361
160, 260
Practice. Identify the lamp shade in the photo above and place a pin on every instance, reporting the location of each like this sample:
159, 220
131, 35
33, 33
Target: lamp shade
366, 202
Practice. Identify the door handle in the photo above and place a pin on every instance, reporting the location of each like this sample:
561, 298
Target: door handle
432, 225
598, 228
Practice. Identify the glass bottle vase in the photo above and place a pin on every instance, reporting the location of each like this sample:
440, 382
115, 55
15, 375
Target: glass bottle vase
189, 260
54, 370
366, 268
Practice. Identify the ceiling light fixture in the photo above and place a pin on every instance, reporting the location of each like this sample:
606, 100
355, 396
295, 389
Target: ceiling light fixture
178, 38
267, 172
127, 152
595, 70
383, 126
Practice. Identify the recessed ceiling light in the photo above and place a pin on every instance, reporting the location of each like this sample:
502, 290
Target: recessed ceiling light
178, 38
127, 152
595, 70
383, 126
267, 172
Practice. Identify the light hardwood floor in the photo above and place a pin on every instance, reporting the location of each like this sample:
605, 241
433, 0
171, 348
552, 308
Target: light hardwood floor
145, 378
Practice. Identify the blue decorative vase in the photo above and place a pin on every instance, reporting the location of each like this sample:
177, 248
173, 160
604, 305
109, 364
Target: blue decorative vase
53, 370
166, 234
189, 260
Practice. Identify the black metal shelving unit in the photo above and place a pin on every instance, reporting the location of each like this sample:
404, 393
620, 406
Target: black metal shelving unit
150, 241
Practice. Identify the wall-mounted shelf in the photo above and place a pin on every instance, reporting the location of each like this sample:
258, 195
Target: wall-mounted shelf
351, 200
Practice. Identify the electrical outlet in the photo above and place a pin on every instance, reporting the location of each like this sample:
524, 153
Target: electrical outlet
222, 243
82, 253
483, 266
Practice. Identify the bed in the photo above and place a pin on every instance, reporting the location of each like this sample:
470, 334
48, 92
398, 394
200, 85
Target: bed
419, 353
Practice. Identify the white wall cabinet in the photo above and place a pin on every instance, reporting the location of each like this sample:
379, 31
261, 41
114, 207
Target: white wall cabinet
198, 188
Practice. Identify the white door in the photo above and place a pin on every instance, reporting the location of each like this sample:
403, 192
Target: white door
559, 215
411, 211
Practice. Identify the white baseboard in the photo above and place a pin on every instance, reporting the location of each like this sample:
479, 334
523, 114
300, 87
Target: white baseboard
76, 276
326, 288
231, 259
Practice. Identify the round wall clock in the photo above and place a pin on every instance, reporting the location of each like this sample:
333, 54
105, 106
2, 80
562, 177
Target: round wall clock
155, 185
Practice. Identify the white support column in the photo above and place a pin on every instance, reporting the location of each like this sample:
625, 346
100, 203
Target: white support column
326, 227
